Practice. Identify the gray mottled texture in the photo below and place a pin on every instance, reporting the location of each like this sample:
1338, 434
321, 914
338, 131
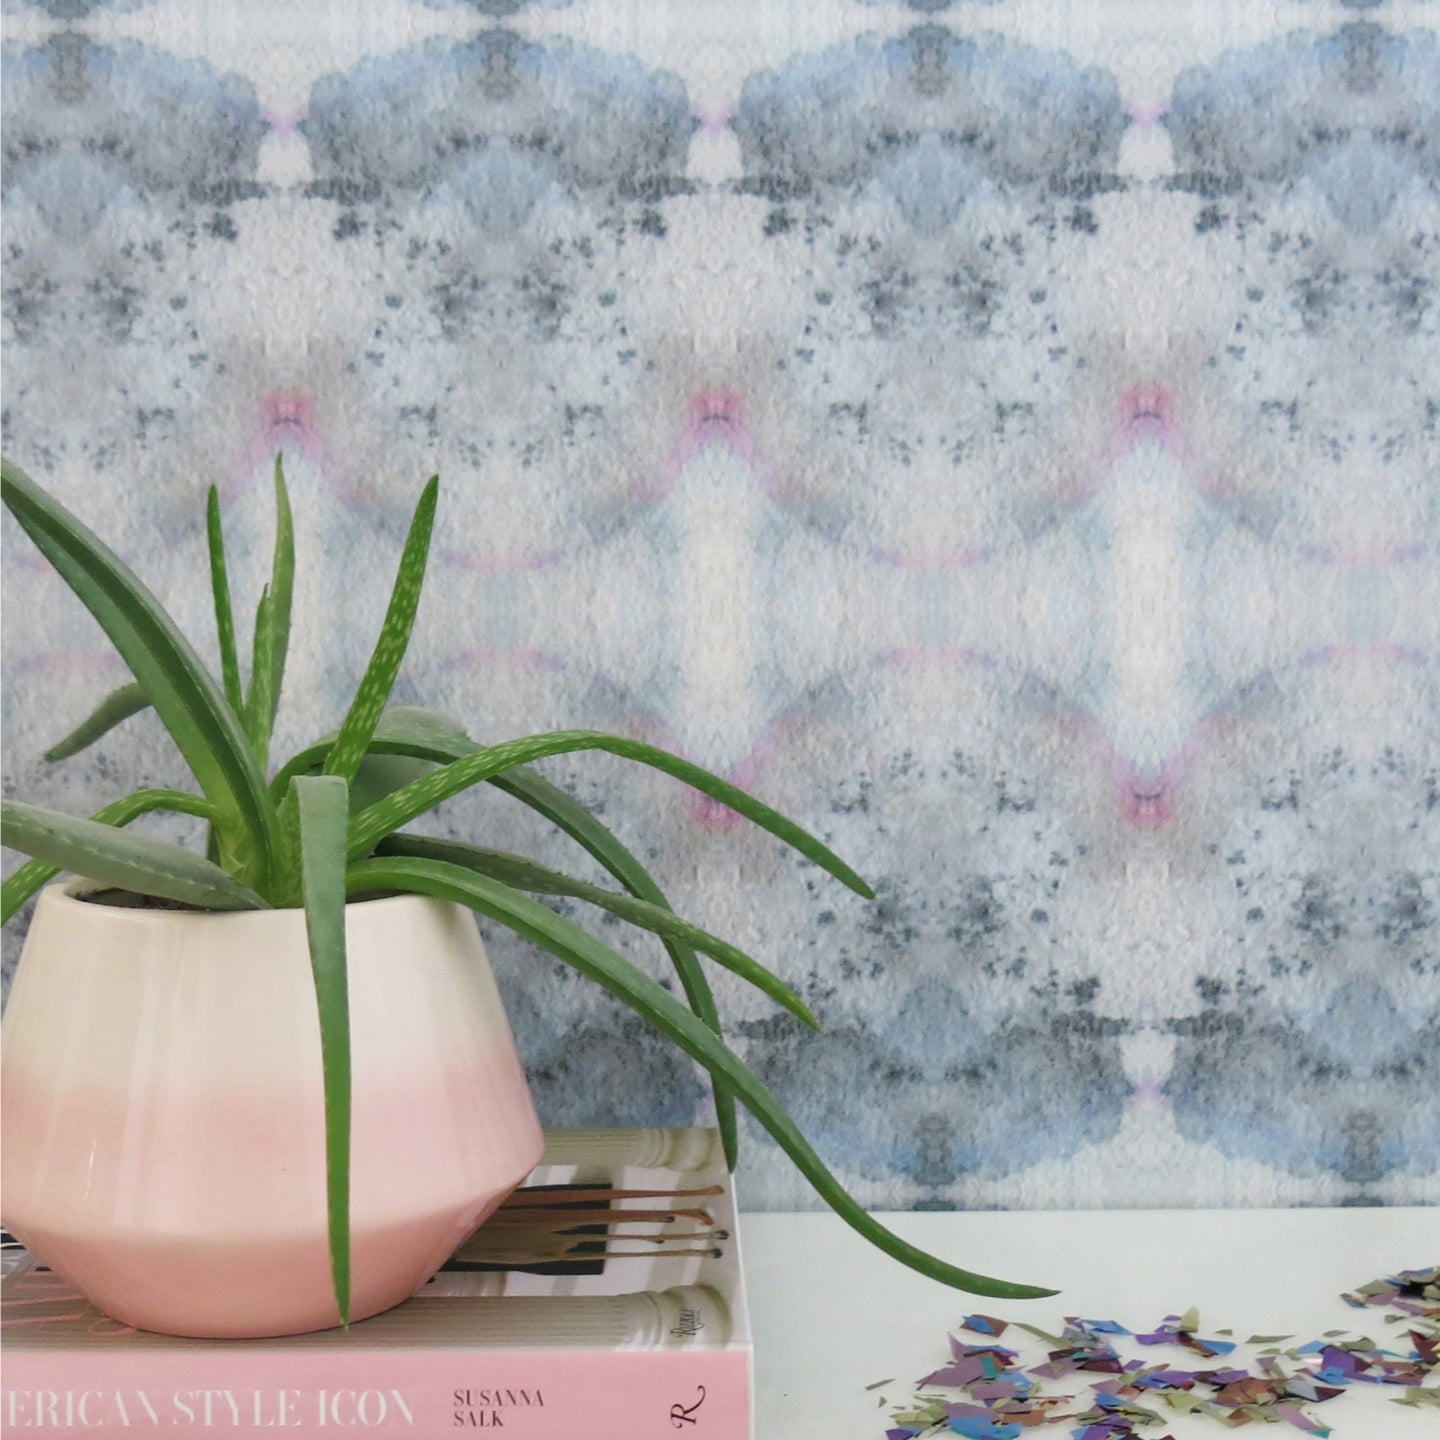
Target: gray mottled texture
1022, 477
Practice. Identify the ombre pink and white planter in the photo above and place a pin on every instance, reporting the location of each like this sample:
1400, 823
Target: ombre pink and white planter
163, 1116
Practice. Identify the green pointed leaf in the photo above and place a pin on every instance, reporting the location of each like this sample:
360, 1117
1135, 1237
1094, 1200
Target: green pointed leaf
260, 703
188, 701
431, 790
531, 920
323, 808
224, 611
114, 857
118, 705
282, 588
29, 877
374, 691
522, 874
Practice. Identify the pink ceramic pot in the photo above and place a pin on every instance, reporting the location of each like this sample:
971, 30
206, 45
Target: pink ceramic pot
164, 1128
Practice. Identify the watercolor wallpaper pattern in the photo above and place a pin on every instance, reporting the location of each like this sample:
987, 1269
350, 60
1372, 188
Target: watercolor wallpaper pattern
1005, 436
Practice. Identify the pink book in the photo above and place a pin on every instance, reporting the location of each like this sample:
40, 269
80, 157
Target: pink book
605, 1300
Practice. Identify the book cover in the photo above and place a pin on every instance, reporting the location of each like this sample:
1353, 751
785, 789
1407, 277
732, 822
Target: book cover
605, 1299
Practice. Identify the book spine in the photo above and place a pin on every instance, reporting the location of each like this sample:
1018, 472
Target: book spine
326, 1395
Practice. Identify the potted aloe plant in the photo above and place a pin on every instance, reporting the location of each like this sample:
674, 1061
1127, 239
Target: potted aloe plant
185, 1143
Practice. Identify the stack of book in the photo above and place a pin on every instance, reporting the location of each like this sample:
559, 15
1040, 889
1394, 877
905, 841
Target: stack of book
604, 1300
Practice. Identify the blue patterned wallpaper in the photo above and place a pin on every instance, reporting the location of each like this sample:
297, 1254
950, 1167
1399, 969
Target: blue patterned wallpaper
1004, 436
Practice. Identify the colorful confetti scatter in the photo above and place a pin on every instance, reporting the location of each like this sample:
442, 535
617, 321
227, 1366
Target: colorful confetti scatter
1002, 1397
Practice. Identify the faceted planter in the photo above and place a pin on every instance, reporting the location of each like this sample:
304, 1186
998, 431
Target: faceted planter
163, 1116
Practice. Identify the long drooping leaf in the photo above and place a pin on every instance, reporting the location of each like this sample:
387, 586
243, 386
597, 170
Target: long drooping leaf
522, 874
187, 699
570, 816
30, 876
224, 609
260, 703
282, 588
430, 790
118, 705
323, 808
116, 857
379, 679
531, 920
428, 735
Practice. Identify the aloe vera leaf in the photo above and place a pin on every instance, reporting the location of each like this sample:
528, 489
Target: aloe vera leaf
424, 734
379, 775
282, 588
260, 703
185, 696
570, 816
115, 857
390, 647
401, 730
568, 942
118, 705
522, 874
430, 790
224, 611
30, 876
323, 808
287, 891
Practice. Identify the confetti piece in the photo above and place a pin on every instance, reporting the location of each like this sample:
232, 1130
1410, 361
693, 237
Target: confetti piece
1302, 1421
1420, 1395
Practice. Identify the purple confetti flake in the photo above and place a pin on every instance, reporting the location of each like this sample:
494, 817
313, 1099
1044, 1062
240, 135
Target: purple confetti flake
1168, 1379
1345, 1362
951, 1375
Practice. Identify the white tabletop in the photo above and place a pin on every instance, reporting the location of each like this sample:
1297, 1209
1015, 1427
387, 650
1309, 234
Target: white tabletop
831, 1314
